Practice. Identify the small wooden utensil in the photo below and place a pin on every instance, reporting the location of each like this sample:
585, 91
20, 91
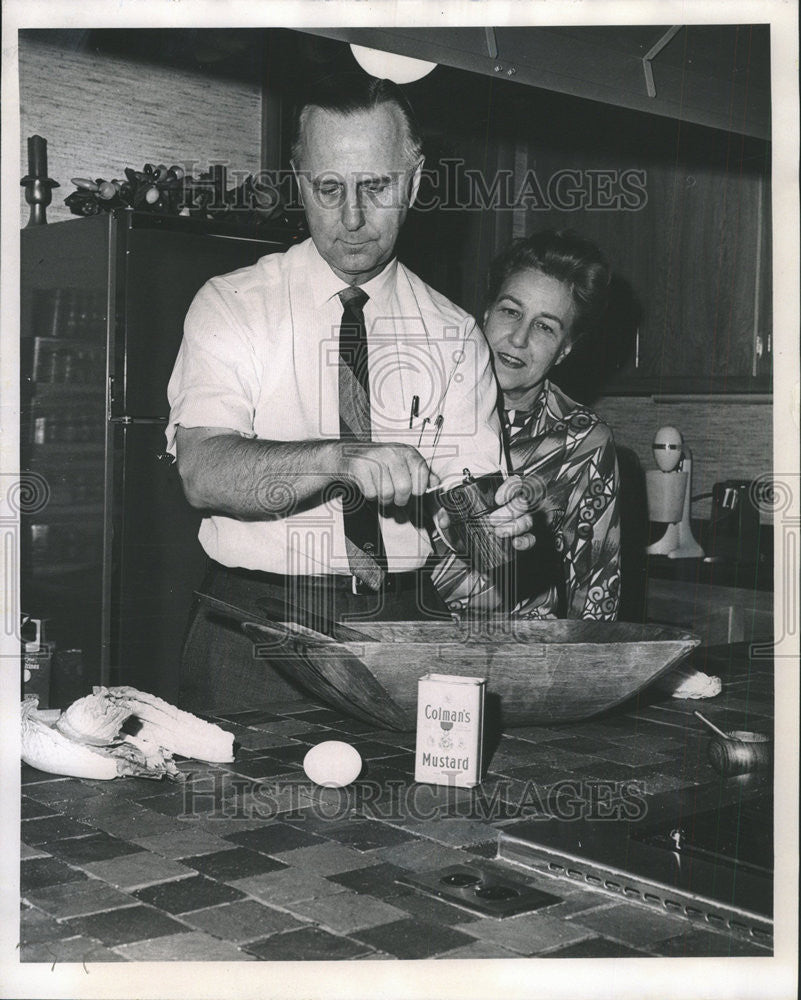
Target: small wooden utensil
712, 726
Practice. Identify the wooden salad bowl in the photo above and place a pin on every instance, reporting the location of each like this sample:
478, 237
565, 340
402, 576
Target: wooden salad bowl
537, 672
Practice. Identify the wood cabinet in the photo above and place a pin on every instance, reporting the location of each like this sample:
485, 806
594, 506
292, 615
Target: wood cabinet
682, 213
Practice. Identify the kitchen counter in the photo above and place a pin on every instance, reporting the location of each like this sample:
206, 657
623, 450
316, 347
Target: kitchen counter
719, 614
248, 861
752, 577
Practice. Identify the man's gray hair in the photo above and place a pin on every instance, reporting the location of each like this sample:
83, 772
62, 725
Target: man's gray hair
351, 93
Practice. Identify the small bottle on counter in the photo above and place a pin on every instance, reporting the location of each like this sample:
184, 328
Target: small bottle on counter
37, 657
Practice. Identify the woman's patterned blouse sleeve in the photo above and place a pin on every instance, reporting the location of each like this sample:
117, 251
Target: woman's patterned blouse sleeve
576, 463
589, 536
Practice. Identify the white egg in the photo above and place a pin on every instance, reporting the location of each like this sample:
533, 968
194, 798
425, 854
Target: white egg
332, 764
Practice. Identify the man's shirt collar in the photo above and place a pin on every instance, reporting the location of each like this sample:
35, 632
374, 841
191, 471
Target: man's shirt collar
326, 285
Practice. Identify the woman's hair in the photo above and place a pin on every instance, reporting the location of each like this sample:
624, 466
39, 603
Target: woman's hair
351, 93
566, 256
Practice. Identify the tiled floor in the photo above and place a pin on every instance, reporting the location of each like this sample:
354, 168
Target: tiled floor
248, 861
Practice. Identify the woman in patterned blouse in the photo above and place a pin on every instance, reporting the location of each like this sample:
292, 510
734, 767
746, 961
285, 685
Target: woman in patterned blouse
545, 293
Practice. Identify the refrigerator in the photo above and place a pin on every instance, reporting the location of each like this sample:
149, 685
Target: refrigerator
109, 550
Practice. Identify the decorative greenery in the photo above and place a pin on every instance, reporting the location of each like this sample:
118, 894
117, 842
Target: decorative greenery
155, 189
168, 191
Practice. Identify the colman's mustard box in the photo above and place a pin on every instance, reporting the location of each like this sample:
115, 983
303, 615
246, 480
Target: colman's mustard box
450, 724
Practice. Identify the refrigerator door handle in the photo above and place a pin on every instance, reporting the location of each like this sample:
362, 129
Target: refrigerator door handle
127, 421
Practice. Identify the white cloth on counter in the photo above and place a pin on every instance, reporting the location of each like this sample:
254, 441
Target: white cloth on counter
687, 682
698, 685
260, 356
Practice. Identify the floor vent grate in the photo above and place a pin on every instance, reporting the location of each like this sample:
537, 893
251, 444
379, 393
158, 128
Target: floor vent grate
480, 890
700, 911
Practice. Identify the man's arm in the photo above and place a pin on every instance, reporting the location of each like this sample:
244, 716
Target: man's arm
249, 478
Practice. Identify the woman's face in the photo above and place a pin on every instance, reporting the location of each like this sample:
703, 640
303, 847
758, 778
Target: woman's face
528, 329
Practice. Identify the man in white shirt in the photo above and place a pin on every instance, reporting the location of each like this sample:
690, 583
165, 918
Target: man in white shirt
258, 402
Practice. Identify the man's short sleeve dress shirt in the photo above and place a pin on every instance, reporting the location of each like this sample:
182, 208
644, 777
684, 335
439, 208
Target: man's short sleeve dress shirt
260, 357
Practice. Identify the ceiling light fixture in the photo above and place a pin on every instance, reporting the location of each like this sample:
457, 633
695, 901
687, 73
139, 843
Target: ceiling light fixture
389, 66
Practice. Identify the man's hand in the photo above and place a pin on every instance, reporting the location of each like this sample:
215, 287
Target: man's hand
517, 498
389, 473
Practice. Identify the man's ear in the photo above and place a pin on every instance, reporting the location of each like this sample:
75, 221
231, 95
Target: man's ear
414, 183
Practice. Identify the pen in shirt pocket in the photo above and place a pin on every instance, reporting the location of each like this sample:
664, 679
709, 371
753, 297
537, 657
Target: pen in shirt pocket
428, 427
434, 427
414, 411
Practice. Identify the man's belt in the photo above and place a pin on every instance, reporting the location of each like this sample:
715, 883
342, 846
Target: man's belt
394, 583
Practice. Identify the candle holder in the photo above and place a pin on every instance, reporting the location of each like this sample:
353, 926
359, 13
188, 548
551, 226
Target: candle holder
38, 186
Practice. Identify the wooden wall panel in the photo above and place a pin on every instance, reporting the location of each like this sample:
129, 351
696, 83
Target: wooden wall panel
699, 316
686, 251
101, 114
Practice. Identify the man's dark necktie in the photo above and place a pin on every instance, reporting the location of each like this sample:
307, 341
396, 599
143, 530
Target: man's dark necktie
363, 541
